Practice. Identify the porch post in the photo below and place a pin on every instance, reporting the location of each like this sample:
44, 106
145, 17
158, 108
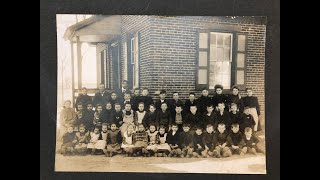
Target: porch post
72, 74
79, 57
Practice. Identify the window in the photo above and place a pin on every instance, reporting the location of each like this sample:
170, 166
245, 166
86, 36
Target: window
131, 70
221, 59
135, 62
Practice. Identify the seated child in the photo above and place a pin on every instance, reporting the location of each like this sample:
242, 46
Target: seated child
208, 141
83, 139
173, 139
220, 142
127, 118
127, 142
139, 115
247, 120
186, 143
140, 141
94, 136
113, 141
198, 145
251, 142
117, 115
69, 140
163, 147
153, 140
235, 140
150, 117
100, 145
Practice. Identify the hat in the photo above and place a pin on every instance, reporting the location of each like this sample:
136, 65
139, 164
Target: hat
235, 87
163, 91
218, 86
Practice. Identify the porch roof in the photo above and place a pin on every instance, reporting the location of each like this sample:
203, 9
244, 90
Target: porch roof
99, 28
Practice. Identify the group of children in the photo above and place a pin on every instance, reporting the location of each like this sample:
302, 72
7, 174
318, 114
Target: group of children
205, 127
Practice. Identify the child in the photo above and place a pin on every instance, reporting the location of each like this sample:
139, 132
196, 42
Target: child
235, 98
254, 108
194, 118
88, 116
107, 114
79, 115
235, 140
100, 145
246, 120
220, 142
98, 115
162, 95
203, 101
209, 117
173, 141
114, 140
145, 98
186, 141
164, 116
208, 142
67, 117
117, 115
178, 117
69, 140
234, 114
114, 99
190, 102
101, 97
127, 143
83, 139
153, 140
139, 115
127, 118
83, 98
135, 99
198, 145
222, 116
127, 99
174, 102
219, 97
251, 142
150, 117
94, 136
163, 147
140, 141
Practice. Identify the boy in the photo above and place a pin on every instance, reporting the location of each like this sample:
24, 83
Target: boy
234, 114
83, 97
164, 116
101, 97
190, 102
198, 145
209, 117
220, 142
140, 141
117, 115
69, 140
194, 118
222, 116
107, 114
98, 116
150, 117
124, 89
174, 102
145, 98
235, 140
114, 99
254, 107
127, 99
251, 142
186, 141
247, 120
178, 117
79, 115
139, 115
163, 94
114, 140
173, 141
135, 99
207, 140
235, 98
87, 118
203, 101
219, 97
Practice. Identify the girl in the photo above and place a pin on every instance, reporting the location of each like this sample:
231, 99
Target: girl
97, 116
163, 148
139, 115
127, 118
83, 139
88, 116
254, 108
113, 141
69, 140
67, 117
102, 140
127, 144
93, 140
153, 139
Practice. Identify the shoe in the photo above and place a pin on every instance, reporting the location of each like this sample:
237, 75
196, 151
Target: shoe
216, 154
111, 154
187, 156
241, 153
254, 151
165, 155
181, 155
207, 156
155, 155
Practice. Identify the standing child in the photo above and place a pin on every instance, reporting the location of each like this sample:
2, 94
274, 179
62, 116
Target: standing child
114, 99
198, 145
83, 139
127, 118
162, 99
220, 142
127, 141
127, 99
219, 97
186, 141
135, 99
98, 115
174, 102
254, 108
222, 116
139, 115
67, 117
145, 98
173, 139
117, 115
235, 140
153, 140
203, 101
69, 140
88, 116
79, 115
208, 142
114, 140
163, 147
83, 97
94, 136
194, 118
234, 114
251, 142
247, 120
140, 141
107, 114
190, 102
236, 98
178, 117
164, 116
150, 117
209, 117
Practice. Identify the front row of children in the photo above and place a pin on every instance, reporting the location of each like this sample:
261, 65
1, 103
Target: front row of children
189, 142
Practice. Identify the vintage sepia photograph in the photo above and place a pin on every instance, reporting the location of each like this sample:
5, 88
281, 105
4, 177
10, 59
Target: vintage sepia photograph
161, 94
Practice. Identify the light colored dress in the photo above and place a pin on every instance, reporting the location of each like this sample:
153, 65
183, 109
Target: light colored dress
127, 119
163, 145
153, 140
95, 144
128, 141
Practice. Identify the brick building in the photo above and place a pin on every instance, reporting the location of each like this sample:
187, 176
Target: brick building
181, 53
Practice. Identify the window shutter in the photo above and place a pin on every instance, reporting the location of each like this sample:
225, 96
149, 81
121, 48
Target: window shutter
136, 66
241, 59
202, 62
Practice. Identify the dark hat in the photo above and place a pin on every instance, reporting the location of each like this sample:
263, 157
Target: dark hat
218, 86
246, 107
235, 87
163, 91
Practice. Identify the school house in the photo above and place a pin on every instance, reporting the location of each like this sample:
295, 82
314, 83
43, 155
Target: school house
176, 53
